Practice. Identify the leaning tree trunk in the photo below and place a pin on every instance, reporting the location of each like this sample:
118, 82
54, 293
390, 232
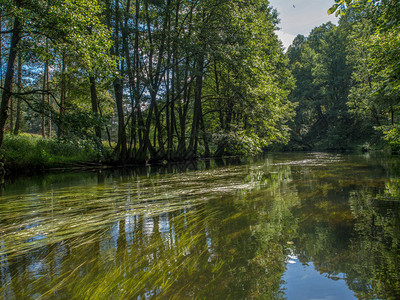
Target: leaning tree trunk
7, 89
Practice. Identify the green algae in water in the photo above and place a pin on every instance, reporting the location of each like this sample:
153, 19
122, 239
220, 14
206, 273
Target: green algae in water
226, 230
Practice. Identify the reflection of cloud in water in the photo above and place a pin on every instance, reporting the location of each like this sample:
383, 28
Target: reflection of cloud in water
292, 259
304, 282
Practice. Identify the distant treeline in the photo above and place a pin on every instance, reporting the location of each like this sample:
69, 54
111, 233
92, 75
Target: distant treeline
347, 80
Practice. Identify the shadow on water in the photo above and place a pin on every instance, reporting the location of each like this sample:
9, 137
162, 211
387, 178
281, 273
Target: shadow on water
216, 229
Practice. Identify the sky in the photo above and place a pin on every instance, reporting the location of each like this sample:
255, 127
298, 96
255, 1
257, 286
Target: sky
300, 17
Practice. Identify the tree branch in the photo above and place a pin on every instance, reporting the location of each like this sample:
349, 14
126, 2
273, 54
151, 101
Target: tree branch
7, 31
39, 92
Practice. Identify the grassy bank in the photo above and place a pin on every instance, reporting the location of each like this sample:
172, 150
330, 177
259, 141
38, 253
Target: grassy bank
27, 153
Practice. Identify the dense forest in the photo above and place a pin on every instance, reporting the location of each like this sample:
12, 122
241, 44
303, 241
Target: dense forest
151, 81
347, 80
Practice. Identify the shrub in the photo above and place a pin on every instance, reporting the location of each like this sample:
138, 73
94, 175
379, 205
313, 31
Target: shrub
239, 143
392, 135
28, 150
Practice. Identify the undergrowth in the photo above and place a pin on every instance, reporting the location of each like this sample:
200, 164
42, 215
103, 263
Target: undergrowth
33, 151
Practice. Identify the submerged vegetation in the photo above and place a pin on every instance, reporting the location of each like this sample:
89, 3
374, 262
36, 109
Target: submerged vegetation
215, 229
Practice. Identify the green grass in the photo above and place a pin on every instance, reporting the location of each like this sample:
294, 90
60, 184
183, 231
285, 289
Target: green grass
33, 151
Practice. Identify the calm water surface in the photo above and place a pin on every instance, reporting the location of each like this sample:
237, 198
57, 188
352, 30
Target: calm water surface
296, 226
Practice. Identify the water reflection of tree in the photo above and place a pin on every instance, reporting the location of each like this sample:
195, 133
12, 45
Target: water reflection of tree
349, 228
376, 248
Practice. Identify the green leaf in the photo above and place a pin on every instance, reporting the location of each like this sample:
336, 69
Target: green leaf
333, 9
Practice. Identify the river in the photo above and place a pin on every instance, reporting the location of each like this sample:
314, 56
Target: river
288, 225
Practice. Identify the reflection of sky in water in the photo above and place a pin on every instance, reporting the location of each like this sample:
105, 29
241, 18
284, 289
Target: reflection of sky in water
148, 226
130, 222
164, 223
304, 282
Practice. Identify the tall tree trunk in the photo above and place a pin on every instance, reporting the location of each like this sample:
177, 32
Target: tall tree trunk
217, 89
62, 97
197, 112
49, 129
121, 145
172, 125
11, 114
167, 107
18, 113
1, 55
146, 145
170, 84
121, 148
205, 138
7, 89
45, 78
182, 110
157, 114
95, 105
183, 106
137, 74
134, 95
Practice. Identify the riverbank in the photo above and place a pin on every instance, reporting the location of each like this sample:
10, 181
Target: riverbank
30, 154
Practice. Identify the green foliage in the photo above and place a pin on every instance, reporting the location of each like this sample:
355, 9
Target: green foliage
341, 6
247, 84
54, 34
177, 73
239, 143
374, 51
69, 25
348, 79
391, 133
30, 151
323, 76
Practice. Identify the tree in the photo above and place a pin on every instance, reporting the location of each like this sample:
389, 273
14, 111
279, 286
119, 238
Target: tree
65, 23
323, 72
375, 93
